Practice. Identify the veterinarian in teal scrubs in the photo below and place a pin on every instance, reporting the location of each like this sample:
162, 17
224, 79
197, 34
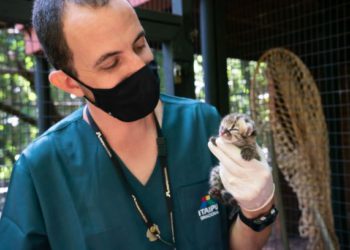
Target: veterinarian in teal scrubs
129, 170
66, 193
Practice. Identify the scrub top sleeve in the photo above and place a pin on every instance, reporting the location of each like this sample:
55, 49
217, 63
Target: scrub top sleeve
22, 224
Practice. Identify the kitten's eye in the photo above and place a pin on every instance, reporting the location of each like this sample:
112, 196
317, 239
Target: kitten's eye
233, 129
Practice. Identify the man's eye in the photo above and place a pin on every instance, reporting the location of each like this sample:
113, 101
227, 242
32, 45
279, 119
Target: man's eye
140, 48
111, 66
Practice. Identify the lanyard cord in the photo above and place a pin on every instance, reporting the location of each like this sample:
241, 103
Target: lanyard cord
162, 156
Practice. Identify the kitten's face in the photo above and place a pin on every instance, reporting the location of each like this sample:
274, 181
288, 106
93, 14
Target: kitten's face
237, 129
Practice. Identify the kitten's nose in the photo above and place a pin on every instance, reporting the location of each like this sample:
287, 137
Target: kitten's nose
224, 132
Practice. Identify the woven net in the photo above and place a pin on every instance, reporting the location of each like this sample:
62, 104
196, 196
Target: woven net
286, 102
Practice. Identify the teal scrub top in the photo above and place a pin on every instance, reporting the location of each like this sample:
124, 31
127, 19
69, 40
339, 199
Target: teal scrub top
66, 194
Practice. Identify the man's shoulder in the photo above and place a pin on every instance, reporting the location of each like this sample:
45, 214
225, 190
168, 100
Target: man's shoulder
177, 100
72, 118
184, 103
171, 99
45, 145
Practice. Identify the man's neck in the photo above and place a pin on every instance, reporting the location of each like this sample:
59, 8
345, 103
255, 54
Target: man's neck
118, 133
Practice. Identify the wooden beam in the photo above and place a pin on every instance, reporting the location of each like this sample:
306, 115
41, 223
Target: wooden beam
16, 11
159, 26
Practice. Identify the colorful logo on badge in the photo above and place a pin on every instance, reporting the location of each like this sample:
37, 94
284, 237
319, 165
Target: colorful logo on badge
207, 201
208, 208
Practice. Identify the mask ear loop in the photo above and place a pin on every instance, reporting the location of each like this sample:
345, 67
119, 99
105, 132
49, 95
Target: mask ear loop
154, 67
81, 83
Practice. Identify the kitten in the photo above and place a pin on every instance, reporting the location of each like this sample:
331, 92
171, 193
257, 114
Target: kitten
238, 129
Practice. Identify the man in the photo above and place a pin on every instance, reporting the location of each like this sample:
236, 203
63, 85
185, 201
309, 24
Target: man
104, 177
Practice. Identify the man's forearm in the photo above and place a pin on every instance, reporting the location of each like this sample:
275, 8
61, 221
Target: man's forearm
243, 237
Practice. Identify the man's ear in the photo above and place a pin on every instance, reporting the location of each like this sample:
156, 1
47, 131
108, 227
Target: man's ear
66, 83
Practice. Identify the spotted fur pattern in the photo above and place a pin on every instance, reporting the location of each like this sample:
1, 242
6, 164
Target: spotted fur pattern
238, 129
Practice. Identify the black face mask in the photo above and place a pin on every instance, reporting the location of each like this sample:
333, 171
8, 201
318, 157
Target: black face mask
133, 98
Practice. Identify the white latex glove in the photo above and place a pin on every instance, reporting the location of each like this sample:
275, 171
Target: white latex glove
249, 182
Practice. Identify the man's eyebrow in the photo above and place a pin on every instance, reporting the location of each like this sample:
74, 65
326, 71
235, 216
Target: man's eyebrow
114, 53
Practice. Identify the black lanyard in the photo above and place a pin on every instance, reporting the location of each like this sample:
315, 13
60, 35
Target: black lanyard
162, 156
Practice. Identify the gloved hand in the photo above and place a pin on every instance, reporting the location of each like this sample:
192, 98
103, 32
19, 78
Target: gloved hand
249, 182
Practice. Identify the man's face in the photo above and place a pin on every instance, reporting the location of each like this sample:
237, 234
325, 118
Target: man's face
108, 43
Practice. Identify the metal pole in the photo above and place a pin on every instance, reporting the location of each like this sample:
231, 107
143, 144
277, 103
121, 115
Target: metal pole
207, 33
42, 89
168, 66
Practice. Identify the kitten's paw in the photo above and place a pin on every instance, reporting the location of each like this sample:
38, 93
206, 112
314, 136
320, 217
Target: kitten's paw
215, 193
227, 198
213, 140
248, 153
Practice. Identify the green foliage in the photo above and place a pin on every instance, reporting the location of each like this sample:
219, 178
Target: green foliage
239, 74
17, 93
5, 172
262, 98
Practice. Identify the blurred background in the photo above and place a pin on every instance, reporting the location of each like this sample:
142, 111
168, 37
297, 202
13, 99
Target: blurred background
206, 50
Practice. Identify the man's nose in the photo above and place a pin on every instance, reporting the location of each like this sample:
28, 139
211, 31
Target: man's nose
135, 62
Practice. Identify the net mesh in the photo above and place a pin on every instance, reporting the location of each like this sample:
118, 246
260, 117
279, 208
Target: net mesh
286, 102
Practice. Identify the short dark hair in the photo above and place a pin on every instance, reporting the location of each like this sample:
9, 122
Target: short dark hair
48, 24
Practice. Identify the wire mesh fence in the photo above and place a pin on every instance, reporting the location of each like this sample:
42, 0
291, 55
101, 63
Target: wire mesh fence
18, 111
316, 32
18, 102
